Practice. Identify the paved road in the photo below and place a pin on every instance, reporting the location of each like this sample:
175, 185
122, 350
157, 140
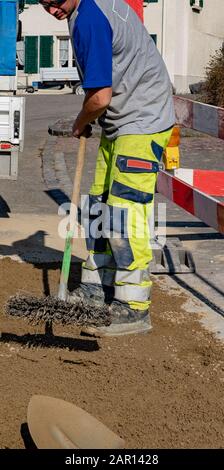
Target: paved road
27, 194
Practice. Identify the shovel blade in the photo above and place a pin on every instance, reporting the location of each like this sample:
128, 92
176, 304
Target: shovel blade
57, 424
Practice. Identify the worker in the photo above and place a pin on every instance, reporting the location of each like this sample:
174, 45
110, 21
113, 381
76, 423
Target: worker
127, 88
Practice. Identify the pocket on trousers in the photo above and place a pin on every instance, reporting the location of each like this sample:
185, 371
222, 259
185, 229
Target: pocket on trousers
130, 194
136, 165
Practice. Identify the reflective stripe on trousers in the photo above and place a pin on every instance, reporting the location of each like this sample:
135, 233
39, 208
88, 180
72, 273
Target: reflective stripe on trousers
132, 293
100, 269
100, 276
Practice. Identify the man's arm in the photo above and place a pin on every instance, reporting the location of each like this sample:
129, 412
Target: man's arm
95, 103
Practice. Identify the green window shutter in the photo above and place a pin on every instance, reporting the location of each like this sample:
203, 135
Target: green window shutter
31, 54
46, 51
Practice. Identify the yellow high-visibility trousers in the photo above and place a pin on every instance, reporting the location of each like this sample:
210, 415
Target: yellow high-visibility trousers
120, 202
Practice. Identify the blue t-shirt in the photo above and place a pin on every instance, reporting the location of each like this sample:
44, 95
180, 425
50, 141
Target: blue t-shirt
92, 40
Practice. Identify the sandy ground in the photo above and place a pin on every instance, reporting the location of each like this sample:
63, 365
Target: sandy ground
160, 390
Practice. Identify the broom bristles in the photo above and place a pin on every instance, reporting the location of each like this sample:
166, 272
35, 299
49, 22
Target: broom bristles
51, 309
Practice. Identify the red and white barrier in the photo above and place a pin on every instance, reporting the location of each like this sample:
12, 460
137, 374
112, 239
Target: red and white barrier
191, 189
208, 181
192, 197
197, 203
199, 116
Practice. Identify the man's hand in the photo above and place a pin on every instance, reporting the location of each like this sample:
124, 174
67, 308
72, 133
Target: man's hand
86, 132
95, 104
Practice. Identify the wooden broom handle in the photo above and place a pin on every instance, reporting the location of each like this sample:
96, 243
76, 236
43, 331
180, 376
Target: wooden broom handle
78, 171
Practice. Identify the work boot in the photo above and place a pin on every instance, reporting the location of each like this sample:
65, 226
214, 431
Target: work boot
124, 321
91, 292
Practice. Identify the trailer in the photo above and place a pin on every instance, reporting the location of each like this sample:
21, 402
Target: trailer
52, 76
12, 108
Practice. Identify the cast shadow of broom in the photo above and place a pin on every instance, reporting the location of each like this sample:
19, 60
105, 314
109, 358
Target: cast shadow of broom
48, 340
25, 249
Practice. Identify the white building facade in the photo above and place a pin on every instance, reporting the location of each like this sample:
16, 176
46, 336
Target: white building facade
45, 43
187, 33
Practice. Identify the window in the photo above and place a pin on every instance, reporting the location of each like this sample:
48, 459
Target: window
38, 53
63, 52
20, 53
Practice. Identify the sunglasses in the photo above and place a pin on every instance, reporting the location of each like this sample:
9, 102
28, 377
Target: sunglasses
54, 3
